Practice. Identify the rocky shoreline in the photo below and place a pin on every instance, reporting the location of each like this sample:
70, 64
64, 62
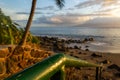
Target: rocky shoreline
31, 53
110, 61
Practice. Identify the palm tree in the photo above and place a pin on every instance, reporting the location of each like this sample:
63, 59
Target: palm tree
59, 3
7, 30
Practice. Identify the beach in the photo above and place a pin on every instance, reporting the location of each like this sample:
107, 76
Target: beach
110, 61
68, 39
30, 54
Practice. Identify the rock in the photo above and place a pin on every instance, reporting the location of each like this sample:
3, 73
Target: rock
117, 74
85, 40
26, 55
16, 58
80, 53
70, 48
30, 62
86, 77
96, 55
12, 66
22, 64
80, 47
49, 53
76, 47
86, 46
18, 50
4, 53
27, 49
114, 66
76, 56
36, 53
71, 54
105, 62
91, 39
86, 49
10, 49
78, 68
2, 68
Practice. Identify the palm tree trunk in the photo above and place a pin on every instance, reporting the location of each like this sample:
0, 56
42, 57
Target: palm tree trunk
23, 41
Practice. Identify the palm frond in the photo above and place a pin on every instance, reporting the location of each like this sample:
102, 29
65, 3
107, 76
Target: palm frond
60, 3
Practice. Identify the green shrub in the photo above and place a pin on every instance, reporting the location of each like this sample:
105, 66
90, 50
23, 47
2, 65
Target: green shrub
10, 34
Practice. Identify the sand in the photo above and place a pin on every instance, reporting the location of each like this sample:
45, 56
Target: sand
109, 61
50, 46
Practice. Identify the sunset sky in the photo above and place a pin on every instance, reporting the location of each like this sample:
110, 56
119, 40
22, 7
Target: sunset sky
75, 13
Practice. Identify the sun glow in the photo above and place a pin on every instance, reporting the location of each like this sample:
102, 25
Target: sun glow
115, 13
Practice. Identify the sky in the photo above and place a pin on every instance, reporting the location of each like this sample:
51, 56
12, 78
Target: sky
98, 13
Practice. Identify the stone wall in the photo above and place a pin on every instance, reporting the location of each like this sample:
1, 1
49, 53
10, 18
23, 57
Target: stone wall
22, 58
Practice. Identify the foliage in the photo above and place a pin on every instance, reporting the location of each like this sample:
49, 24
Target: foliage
9, 32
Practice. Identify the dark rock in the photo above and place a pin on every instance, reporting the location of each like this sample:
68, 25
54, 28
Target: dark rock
11, 66
86, 49
10, 49
18, 50
76, 47
96, 55
86, 77
114, 66
91, 39
36, 54
22, 64
76, 56
85, 40
27, 49
80, 47
71, 54
105, 62
117, 74
79, 53
86, 46
2, 68
78, 68
70, 48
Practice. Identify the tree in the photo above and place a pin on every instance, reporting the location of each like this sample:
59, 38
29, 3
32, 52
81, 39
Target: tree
7, 30
59, 3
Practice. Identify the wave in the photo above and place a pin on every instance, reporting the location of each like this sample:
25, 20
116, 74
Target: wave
98, 43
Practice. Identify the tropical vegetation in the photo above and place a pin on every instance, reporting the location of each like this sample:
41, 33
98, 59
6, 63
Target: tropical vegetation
10, 33
59, 3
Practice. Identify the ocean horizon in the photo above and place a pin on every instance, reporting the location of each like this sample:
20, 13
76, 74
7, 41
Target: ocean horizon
105, 39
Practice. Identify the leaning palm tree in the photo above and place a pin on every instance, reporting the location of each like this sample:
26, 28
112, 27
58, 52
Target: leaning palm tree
59, 3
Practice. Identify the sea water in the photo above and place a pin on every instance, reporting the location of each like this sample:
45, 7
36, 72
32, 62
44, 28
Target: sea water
105, 39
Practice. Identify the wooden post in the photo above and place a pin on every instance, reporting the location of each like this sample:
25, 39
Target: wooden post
97, 73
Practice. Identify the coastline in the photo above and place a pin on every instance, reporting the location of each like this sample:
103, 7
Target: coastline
52, 45
110, 61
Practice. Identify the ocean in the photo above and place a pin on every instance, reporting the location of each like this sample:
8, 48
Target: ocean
105, 39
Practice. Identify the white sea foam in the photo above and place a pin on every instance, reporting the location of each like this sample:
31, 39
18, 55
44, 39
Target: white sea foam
98, 43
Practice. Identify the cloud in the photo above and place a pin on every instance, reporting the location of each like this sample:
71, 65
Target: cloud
112, 9
90, 3
101, 7
110, 2
91, 14
27, 13
70, 9
67, 19
19, 17
102, 22
46, 8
